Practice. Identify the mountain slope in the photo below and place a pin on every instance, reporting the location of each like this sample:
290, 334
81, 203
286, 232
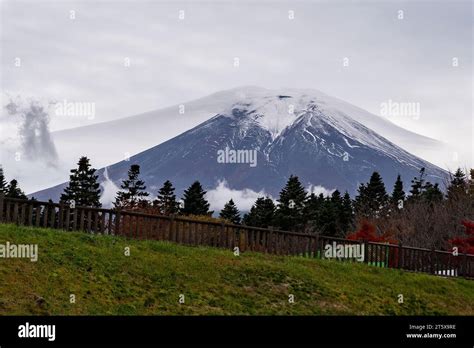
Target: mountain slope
290, 134
320, 149
131, 135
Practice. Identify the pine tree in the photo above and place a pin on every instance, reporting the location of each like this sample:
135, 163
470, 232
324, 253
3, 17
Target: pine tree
470, 189
313, 212
13, 191
230, 213
336, 198
346, 216
336, 202
417, 185
331, 216
471, 183
432, 193
132, 193
372, 199
262, 213
291, 205
83, 187
328, 218
458, 185
166, 200
422, 190
3, 182
312, 208
361, 201
398, 194
194, 201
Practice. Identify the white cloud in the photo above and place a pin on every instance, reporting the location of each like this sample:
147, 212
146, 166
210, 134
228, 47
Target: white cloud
175, 61
244, 199
109, 191
318, 189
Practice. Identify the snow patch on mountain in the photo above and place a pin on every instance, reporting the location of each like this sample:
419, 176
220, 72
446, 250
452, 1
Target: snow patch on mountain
273, 109
302, 132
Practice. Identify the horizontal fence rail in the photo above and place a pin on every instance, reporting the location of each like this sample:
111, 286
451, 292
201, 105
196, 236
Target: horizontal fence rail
188, 231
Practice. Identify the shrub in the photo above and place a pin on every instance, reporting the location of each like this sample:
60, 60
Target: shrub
367, 232
465, 244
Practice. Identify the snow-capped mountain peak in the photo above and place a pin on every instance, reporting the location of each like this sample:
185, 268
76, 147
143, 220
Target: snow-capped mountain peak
323, 140
272, 109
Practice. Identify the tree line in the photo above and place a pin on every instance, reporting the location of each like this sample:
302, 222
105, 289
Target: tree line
10, 189
420, 215
424, 216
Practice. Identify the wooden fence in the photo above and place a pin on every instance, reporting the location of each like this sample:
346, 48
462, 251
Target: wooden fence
195, 232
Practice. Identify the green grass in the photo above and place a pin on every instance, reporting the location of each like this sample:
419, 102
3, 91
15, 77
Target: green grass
214, 281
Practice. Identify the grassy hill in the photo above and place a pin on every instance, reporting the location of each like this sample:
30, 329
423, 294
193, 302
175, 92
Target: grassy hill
213, 281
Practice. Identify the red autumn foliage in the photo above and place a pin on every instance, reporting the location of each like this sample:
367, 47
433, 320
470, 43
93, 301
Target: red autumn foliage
367, 232
465, 244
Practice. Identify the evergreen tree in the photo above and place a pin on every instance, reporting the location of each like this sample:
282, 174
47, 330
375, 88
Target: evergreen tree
458, 185
262, 213
83, 187
166, 200
424, 190
398, 194
471, 183
362, 201
372, 199
336, 202
417, 185
291, 205
432, 193
336, 198
132, 192
230, 213
328, 218
346, 215
312, 208
194, 201
13, 191
3, 182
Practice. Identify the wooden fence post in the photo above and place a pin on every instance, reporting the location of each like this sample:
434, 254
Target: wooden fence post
170, 231
321, 248
271, 240
2, 197
316, 246
30, 214
52, 216
117, 223
366, 248
432, 266
222, 244
400, 255
61, 213
23, 214
109, 227
15, 213
241, 244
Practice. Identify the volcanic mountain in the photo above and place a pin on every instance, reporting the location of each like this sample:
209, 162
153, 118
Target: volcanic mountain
324, 141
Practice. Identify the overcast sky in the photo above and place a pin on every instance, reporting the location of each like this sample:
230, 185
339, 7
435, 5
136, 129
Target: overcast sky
175, 60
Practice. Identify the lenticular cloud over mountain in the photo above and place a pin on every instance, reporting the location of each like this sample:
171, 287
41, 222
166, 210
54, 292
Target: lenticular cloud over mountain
327, 142
104, 141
